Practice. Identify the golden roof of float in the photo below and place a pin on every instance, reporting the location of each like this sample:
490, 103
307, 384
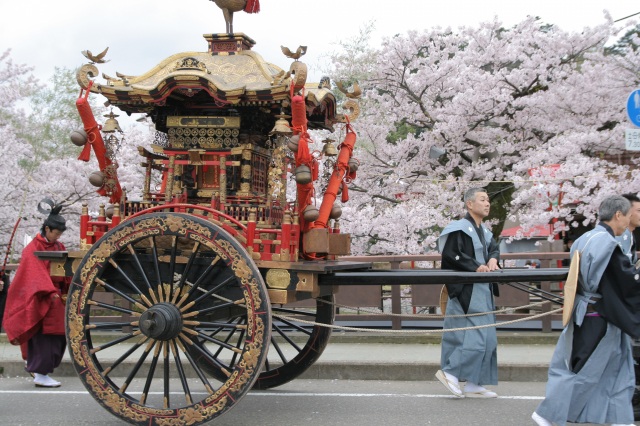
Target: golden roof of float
229, 72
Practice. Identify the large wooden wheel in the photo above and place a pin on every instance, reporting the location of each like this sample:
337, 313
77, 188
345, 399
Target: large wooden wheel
169, 282
294, 346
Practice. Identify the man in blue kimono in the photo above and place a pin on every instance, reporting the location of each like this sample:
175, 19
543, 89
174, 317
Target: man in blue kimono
470, 356
591, 375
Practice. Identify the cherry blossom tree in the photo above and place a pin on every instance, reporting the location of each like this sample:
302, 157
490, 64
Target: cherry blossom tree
489, 106
16, 84
39, 161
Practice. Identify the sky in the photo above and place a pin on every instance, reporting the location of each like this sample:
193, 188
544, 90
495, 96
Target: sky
141, 33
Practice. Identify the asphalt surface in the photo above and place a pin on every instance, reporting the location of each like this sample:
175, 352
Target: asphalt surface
300, 402
360, 379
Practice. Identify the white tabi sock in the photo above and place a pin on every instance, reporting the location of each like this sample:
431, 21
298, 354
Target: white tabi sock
451, 378
540, 421
472, 387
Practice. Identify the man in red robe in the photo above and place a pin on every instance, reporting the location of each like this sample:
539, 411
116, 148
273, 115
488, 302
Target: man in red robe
34, 313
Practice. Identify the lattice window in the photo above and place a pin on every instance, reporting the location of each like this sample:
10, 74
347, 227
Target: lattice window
259, 173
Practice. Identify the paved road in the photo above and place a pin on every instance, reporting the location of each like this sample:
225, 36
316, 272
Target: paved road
301, 402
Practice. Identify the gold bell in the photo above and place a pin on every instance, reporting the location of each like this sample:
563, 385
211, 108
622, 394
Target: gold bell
328, 149
111, 125
282, 126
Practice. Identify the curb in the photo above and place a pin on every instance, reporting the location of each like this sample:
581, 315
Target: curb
345, 370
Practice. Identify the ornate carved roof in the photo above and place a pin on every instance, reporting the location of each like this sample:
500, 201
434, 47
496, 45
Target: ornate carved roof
242, 78
229, 74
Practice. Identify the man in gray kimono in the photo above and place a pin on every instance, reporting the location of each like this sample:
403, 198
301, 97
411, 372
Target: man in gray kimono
591, 375
470, 355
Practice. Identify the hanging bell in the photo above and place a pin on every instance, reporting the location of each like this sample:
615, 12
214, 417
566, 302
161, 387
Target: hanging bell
353, 164
111, 125
336, 211
281, 127
97, 179
311, 213
293, 142
329, 150
78, 137
303, 174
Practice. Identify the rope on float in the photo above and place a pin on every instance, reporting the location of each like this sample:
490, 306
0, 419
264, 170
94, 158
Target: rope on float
339, 327
433, 315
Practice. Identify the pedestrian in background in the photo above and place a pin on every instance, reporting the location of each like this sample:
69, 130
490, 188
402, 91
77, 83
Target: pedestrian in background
470, 356
627, 240
34, 313
591, 375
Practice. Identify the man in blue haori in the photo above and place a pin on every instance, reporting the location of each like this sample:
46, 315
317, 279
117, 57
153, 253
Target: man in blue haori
470, 356
626, 240
591, 375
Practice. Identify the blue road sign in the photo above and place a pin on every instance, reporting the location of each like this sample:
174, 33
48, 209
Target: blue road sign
633, 107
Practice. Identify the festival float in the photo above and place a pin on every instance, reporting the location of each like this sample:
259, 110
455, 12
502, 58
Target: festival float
214, 266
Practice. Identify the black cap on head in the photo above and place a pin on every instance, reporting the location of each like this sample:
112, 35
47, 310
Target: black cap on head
55, 220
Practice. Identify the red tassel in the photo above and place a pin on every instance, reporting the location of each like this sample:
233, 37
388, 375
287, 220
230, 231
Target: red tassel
345, 192
85, 155
253, 6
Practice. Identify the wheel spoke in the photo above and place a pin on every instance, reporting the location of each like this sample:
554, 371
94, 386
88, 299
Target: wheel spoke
124, 275
187, 268
276, 346
235, 355
156, 266
124, 295
152, 370
172, 263
241, 322
297, 327
206, 272
213, 290
209, 357
215, 308
137, 366
113, 307
165, 353
125, 356
110, 325
142, 272
220, 325
115, 342
183, 378
196, 368
286, 337
219, 342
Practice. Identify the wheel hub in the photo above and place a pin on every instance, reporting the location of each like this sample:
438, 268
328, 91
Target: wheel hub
162, 321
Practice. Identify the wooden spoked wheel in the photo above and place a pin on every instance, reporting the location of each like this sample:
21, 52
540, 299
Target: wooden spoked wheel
149, 296
294, 346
